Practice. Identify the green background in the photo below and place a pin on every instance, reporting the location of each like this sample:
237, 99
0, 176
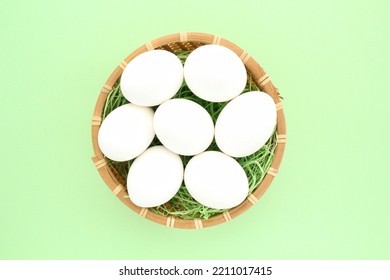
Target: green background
330, 59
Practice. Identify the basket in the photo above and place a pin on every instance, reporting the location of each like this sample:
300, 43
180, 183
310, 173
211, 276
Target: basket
189, 41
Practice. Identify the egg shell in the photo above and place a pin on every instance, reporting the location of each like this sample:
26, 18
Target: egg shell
126, 132
183, 126
215, 73
152, 78
216, 180
154, 177
245, 124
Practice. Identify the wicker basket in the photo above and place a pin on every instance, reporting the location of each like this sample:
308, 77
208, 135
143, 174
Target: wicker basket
189, 41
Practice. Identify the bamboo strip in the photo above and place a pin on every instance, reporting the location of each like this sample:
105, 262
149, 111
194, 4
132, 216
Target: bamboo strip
183, 37
279, 106
282, 138
245, 57
217, 40
170, 222
117, 189
227, 216
106, 88
252, 198
149, 46
198, 223
143, 212
100, 163
272, 171
123, 64
96, 120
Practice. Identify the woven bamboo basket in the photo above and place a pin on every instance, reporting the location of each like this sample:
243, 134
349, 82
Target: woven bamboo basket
189, 41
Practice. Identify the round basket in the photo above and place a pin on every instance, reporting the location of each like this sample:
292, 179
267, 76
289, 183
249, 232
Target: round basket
189, 41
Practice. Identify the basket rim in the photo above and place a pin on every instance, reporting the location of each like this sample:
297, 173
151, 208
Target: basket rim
262, 80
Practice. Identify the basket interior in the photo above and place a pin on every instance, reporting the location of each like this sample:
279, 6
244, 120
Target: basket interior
114, 174
191, 209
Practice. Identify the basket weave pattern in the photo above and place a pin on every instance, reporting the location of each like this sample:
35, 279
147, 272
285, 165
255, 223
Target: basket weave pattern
189, 41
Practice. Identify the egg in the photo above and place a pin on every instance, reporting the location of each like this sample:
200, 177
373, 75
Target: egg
126, 132
152, 78
216, 180
183, 126
245, 124
215, 73
154, 177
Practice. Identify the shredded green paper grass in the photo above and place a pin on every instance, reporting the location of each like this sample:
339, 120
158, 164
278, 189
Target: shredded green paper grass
182, 205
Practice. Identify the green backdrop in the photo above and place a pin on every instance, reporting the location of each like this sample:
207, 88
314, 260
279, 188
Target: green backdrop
329, 60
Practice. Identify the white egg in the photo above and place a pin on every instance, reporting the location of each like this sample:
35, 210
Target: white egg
215, 73
154, 177
245, 124
126, 132
183, 126
216, 180
152, 78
